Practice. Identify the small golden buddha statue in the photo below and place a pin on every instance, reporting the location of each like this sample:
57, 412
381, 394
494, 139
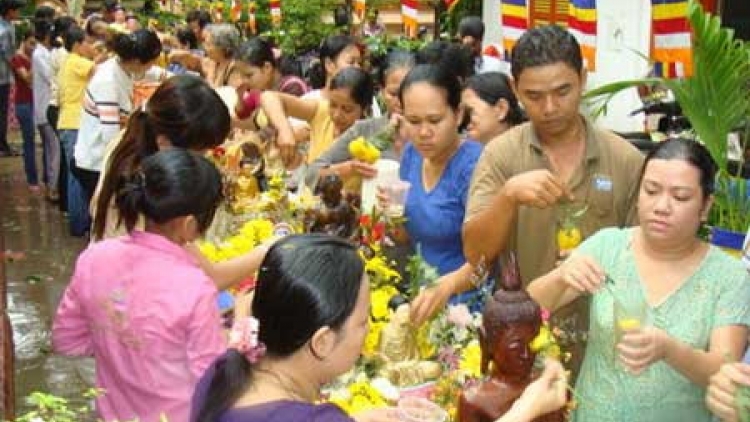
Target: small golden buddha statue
247, 184
398, 349
511, 320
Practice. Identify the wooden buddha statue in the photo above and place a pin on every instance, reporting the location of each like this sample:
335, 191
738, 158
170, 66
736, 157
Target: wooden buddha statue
511, 320
335, 215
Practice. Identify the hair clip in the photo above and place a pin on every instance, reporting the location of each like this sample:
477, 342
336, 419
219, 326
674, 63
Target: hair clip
244, 338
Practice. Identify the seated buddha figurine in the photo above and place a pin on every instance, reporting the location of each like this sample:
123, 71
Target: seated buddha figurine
398, 349
510, 321
334, 216
249, 182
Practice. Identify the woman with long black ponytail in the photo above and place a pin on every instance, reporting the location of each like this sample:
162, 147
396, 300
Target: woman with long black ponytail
312, 307
140, 304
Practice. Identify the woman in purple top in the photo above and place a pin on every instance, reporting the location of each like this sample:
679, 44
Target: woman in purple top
312, 304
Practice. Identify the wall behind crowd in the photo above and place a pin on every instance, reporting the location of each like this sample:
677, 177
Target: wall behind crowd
623, 29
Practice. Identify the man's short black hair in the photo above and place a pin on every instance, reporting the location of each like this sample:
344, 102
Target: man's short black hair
545, 45
8, 5
471, 26
110, 5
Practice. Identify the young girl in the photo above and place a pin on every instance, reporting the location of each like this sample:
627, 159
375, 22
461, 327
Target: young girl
260, 69
140, 304
349, 98
491, 105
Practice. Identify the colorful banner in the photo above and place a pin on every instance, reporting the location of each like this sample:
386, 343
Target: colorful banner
450, 4
359, 8
671, 46
515, 20
252, 25
582, 24
235, 10
409, 16
276, 12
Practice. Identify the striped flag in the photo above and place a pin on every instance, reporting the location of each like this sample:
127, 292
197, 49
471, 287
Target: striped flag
276, 12
515, 19
582, 24
235, 10
251, 23
450, 4
409, 15
359, 8
672, 40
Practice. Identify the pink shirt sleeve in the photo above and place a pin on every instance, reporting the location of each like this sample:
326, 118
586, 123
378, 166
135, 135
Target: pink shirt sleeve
205, 341
71, 329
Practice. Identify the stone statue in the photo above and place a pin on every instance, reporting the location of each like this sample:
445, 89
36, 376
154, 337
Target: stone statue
335, 215
402, 364
511, 320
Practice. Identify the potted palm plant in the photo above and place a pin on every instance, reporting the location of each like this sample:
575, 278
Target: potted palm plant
716, 101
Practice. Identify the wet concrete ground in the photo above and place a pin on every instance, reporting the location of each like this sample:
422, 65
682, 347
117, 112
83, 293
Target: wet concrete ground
42, 258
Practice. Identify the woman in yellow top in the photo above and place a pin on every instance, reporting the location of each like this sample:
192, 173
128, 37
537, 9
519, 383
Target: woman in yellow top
73, 78
349, 98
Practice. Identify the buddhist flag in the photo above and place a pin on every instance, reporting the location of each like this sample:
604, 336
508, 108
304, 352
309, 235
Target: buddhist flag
672, 40
251, 23
582, 24
450, 4
276, 12
409, 15
235, 10
515, 19
359, 8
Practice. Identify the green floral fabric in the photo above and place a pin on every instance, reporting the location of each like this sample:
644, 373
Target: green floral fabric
717, 294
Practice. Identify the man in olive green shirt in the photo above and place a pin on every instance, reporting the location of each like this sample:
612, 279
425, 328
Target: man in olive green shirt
528, 177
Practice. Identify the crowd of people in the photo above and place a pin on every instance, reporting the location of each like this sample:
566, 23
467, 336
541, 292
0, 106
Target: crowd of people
493, 151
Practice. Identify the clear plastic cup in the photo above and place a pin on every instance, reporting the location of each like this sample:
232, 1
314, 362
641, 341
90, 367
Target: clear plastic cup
417, 409
397, 192
630, 311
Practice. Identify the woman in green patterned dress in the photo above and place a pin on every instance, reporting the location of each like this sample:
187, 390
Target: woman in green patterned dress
695, 299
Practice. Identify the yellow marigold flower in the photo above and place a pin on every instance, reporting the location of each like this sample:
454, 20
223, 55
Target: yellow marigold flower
378, 266
471, 359
209, 250
379, 303
373, 338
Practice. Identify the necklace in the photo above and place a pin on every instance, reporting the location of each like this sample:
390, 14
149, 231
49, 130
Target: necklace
286, 386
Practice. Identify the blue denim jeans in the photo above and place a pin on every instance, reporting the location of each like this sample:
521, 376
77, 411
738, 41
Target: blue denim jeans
25, 117
78, 210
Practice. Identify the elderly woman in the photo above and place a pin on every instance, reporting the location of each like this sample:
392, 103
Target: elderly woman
220, 43
695, 299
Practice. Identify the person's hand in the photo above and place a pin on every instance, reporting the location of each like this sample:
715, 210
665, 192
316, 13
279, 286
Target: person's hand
562, 256
382, 197
641, 347
381, 414
547, 394
537, 188
582, 273
287, 145
431, 300
355, 168
722, 388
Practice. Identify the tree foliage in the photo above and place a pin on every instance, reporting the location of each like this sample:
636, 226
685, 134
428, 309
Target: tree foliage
302, 24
